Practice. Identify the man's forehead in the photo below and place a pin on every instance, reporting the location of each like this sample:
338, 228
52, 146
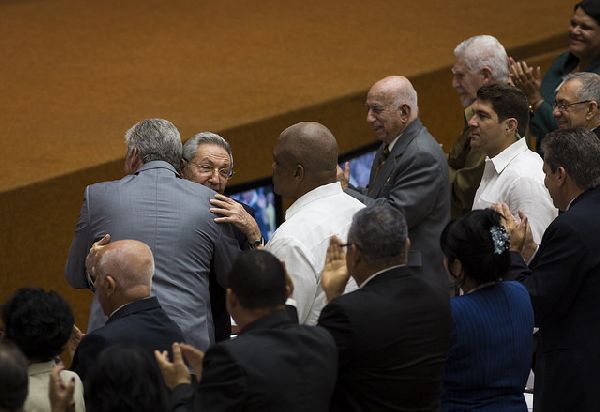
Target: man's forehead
378, 98
211, 152
569, 89
483, 106
459, 67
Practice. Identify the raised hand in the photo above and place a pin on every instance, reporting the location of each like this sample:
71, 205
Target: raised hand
61, 393
528, 79
174, 373
233, 212
335, 274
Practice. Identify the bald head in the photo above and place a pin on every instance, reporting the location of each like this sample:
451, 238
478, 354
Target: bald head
129, 262
399, 90
312, 145
304, 157
392, 105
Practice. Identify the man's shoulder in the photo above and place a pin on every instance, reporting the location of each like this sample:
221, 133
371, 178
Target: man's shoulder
396, 286
266, 342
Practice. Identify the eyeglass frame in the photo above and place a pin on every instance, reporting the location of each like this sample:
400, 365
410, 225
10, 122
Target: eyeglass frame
229, 171
564, 107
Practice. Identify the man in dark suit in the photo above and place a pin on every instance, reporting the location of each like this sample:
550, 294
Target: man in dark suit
563, 279
393, 333
154, 205
208, 160
273, 365
409, 172
123, 278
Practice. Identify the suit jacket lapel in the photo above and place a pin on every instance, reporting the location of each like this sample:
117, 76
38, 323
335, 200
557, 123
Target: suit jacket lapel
377, 183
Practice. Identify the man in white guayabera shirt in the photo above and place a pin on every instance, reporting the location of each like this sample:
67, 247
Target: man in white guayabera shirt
512, 173
304, 170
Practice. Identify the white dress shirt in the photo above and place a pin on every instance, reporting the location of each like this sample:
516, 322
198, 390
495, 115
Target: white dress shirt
302, 241
515, 177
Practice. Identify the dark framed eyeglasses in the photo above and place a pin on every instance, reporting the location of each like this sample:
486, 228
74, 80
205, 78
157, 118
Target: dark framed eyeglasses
563, 107
209, 170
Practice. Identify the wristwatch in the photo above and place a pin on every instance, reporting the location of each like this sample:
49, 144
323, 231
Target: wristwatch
257, 243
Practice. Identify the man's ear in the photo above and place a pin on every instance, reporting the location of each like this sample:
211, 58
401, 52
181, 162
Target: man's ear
561, 175
299, 172
512, 125
354, 258
110, 285
405, 112
592, 110
133, 161
486, 75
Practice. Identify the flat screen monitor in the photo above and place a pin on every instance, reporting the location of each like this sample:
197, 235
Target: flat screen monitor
360, 160
259, 196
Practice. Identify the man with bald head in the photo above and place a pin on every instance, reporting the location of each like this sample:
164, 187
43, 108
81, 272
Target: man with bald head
409, 173
122, 276
577, 102
304, 171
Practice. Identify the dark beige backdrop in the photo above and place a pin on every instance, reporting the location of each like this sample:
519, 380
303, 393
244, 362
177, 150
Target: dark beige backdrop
75, 75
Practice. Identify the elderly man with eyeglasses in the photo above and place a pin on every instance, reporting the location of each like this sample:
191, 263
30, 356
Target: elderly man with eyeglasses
152, 204
577, 102
208, 160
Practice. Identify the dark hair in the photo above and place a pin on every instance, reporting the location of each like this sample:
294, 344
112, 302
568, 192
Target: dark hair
258, 280
578, 151
507, 102
469, 240
591, 8
39, 322
380, 232
125, 379
14, 377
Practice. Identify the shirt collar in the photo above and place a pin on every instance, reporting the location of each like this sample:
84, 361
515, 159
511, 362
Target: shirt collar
328, 190
503, 159
40, 368
391, 145
367, 280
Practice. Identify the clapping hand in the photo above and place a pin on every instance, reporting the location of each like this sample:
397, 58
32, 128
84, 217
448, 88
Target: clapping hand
335, 274
528, 79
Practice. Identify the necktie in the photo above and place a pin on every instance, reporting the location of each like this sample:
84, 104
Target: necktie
380, 161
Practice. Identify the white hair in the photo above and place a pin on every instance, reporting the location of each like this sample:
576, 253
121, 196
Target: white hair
484, 51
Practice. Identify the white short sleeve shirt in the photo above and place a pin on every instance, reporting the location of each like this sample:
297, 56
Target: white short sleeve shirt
515, 177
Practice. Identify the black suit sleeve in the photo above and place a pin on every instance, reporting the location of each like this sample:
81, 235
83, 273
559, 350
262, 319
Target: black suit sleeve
557, 272
334, 318
223, 386
87, 352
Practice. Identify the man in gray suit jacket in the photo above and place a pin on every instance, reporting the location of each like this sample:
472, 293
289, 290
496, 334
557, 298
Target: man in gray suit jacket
409, 172
154, 205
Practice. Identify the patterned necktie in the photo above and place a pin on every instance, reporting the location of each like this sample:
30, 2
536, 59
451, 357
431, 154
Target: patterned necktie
380, 161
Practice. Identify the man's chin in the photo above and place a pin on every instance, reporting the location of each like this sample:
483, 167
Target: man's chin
465, 100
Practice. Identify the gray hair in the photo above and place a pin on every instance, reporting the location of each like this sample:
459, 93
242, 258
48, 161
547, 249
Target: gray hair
155, 139
484, 51
380, 232
578, 151
590, 85
190, 147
